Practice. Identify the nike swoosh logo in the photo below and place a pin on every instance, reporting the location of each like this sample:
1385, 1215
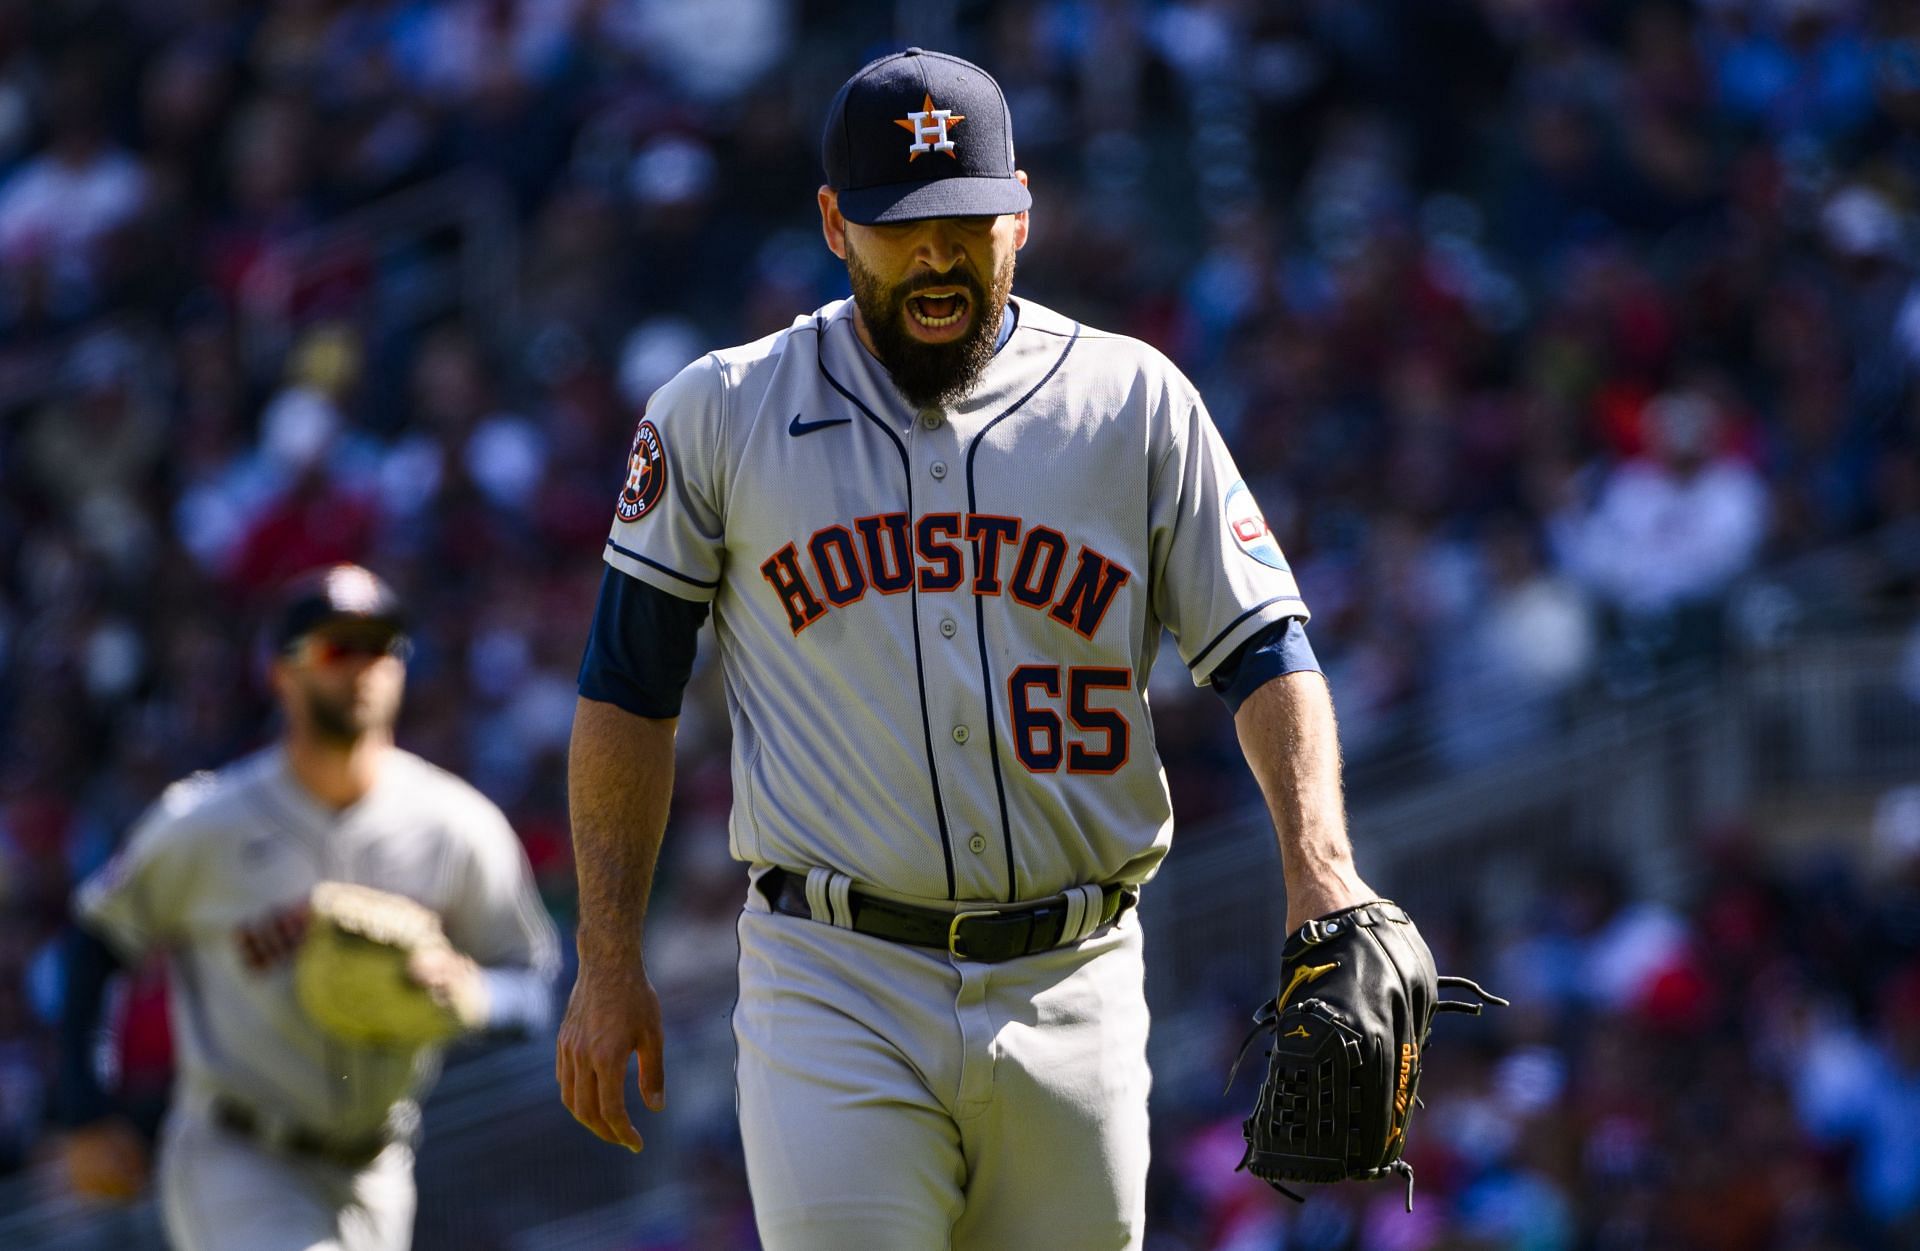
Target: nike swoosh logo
796, 427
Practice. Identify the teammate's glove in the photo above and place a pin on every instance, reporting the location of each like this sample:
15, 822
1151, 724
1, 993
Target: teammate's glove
1357, 997
376, 969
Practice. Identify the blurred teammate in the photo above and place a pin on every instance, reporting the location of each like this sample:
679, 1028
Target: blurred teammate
280, 1136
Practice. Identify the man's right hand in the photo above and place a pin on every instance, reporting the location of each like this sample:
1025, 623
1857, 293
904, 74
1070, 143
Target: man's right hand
613, 1013
105, 1160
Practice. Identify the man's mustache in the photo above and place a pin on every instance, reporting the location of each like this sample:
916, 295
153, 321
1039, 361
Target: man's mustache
953, 278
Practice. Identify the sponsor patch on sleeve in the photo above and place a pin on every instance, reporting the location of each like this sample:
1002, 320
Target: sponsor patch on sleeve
1249, 528
646, 474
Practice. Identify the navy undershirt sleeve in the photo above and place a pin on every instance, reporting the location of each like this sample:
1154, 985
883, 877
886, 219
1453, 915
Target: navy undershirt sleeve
640, 653
1279, 649
87, 963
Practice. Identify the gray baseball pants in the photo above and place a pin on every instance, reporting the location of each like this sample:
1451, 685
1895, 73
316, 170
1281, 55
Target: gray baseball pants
222, 1192
892, 1096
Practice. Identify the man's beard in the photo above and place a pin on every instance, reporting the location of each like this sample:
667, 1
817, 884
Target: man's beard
931, 375
341, 722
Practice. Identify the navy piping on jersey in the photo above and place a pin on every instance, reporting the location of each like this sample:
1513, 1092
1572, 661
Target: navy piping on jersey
285, 822
980, 621
1235, 624
913, 599
630, 554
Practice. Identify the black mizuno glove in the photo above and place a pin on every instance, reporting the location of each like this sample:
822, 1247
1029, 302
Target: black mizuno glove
1357, 997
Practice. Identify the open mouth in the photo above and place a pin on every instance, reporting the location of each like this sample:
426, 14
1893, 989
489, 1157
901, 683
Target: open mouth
938, 308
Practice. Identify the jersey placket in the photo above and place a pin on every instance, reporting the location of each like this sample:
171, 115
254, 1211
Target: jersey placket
950, 643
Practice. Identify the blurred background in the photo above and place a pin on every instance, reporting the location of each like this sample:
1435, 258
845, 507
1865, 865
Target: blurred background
1570, 345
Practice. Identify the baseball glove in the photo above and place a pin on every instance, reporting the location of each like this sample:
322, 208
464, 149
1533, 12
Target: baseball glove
356, 971
1358, 994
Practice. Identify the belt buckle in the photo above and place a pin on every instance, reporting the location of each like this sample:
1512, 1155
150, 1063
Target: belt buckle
953, 929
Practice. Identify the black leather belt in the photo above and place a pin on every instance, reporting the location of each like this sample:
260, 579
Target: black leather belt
988, 935
353, 1153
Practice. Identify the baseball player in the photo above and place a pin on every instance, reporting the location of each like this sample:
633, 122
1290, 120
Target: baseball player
281, 1133
940, 530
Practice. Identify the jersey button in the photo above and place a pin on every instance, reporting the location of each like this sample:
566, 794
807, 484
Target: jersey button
947, 628
930, 421
960, 733
977, 844
938, 469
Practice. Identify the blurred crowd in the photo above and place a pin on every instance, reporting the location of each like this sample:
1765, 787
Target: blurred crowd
1539, 326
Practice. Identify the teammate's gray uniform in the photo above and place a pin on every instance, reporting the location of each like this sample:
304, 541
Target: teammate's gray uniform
936, 629
214, 854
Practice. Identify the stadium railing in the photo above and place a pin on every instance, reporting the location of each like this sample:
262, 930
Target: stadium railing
451, 244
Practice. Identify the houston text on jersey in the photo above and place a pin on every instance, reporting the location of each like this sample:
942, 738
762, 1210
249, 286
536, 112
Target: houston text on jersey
991, 554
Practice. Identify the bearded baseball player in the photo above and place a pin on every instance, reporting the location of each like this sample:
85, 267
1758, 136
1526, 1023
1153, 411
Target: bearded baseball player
940, 529
332, 910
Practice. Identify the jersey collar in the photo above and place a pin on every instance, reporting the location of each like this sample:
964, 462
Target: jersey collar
1014, 367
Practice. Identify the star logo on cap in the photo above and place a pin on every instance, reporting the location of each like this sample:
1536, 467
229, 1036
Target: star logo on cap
929, 129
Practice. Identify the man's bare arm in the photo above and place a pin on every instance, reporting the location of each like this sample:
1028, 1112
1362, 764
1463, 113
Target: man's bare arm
619, 784
1287, 733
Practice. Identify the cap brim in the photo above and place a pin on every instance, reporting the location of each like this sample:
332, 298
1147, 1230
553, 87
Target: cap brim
299, 624
936, 197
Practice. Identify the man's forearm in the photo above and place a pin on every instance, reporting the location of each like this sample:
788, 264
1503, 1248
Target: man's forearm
1288, 735
619, 784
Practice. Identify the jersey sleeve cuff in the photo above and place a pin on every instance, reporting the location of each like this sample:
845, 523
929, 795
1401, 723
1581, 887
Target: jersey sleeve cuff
1276, 651
659, 576
1242, 628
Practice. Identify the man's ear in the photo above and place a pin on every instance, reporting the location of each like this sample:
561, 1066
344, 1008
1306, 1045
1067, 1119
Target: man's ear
279, 680
832, 225
1021, 225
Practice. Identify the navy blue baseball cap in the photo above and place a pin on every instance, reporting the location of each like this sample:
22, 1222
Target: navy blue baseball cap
339, 596
921, 134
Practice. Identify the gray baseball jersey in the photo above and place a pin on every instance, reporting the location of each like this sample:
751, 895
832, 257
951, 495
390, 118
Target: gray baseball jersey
219, 850
936, 627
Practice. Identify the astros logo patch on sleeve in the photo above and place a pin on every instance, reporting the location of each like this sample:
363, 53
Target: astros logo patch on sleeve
646, 474
1249, 527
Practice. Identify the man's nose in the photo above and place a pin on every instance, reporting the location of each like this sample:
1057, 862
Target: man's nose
940, 247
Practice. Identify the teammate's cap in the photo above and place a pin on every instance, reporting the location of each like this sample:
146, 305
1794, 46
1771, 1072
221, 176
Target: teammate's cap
334, 595
921, 134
